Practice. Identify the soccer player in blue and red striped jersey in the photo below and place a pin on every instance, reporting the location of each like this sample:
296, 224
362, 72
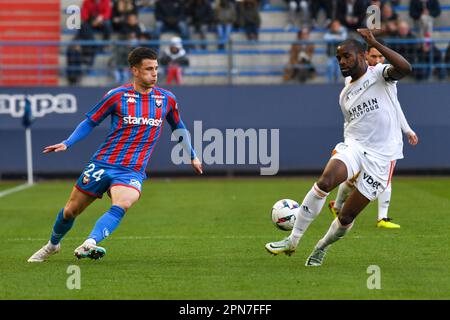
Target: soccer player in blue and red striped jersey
137, 113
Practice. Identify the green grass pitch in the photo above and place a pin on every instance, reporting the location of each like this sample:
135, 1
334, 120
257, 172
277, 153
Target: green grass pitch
204, 239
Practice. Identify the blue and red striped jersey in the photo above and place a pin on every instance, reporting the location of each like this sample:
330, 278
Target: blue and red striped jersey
136, 124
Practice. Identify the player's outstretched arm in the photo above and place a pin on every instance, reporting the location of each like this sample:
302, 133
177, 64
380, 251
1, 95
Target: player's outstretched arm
400, 66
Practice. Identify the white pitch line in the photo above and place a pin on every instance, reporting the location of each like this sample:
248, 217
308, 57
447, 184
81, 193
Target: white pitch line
229, 237
15, 189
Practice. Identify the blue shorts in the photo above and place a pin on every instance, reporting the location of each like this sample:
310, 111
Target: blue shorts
98, 177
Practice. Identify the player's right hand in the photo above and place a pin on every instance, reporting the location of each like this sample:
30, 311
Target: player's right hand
413, 139
367, 35
55, 148
197, 166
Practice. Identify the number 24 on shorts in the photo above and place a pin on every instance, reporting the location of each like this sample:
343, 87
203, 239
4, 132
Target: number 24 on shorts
97, 174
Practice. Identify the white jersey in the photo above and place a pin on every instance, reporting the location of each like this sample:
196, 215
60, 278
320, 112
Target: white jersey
371, 115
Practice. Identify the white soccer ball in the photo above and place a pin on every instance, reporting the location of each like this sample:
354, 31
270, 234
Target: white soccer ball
284, 213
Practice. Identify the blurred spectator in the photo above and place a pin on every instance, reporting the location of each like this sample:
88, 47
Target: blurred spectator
119, 58
352, 13
386, 10
390, 29
249, 18
202, 15
120, 11
388, 13
174, 59
132, 25
296, 7
423, 12
427, 56
171, 15
327, 6
96, 15
300, 61
335, 34
88, 50
74, 59
225, 13
407, 46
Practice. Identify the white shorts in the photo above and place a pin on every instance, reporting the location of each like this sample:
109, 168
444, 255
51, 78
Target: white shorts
373, 174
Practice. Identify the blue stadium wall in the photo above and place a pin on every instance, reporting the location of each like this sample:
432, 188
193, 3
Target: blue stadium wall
308, 117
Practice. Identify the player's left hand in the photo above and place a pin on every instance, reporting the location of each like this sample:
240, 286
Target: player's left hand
55, 148
413, 139
367, 35
197, 166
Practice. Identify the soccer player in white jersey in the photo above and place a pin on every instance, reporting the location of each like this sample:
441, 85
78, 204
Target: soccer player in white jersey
373, 142
373, 57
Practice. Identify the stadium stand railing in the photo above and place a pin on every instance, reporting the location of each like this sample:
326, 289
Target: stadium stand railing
240, 61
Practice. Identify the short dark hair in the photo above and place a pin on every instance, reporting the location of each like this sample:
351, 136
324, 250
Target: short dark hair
138, 54
359, 47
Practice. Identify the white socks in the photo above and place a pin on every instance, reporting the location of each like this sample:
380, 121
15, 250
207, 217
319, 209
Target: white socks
343, 192
334, 233
309, 209
383, 203
90, 241
51, 246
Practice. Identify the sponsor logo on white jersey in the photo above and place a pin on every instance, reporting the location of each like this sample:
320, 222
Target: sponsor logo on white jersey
140, 120
363, 108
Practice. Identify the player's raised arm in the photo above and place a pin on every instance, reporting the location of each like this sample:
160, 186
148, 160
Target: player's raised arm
400, 66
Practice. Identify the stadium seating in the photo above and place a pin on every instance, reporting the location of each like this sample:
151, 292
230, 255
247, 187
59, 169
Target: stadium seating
250, 63
19, 22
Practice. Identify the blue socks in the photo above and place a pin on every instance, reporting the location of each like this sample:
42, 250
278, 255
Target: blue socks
61, 227
102, 229
107, 223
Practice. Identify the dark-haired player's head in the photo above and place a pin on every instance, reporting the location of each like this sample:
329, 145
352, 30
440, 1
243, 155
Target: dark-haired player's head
143, 63
351, 57
373, 56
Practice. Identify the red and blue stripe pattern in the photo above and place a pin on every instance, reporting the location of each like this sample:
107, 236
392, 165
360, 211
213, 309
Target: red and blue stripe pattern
137, 121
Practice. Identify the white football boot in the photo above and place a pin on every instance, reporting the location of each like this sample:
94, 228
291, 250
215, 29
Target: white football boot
316, 257
45, 252
89, 250
284, 246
